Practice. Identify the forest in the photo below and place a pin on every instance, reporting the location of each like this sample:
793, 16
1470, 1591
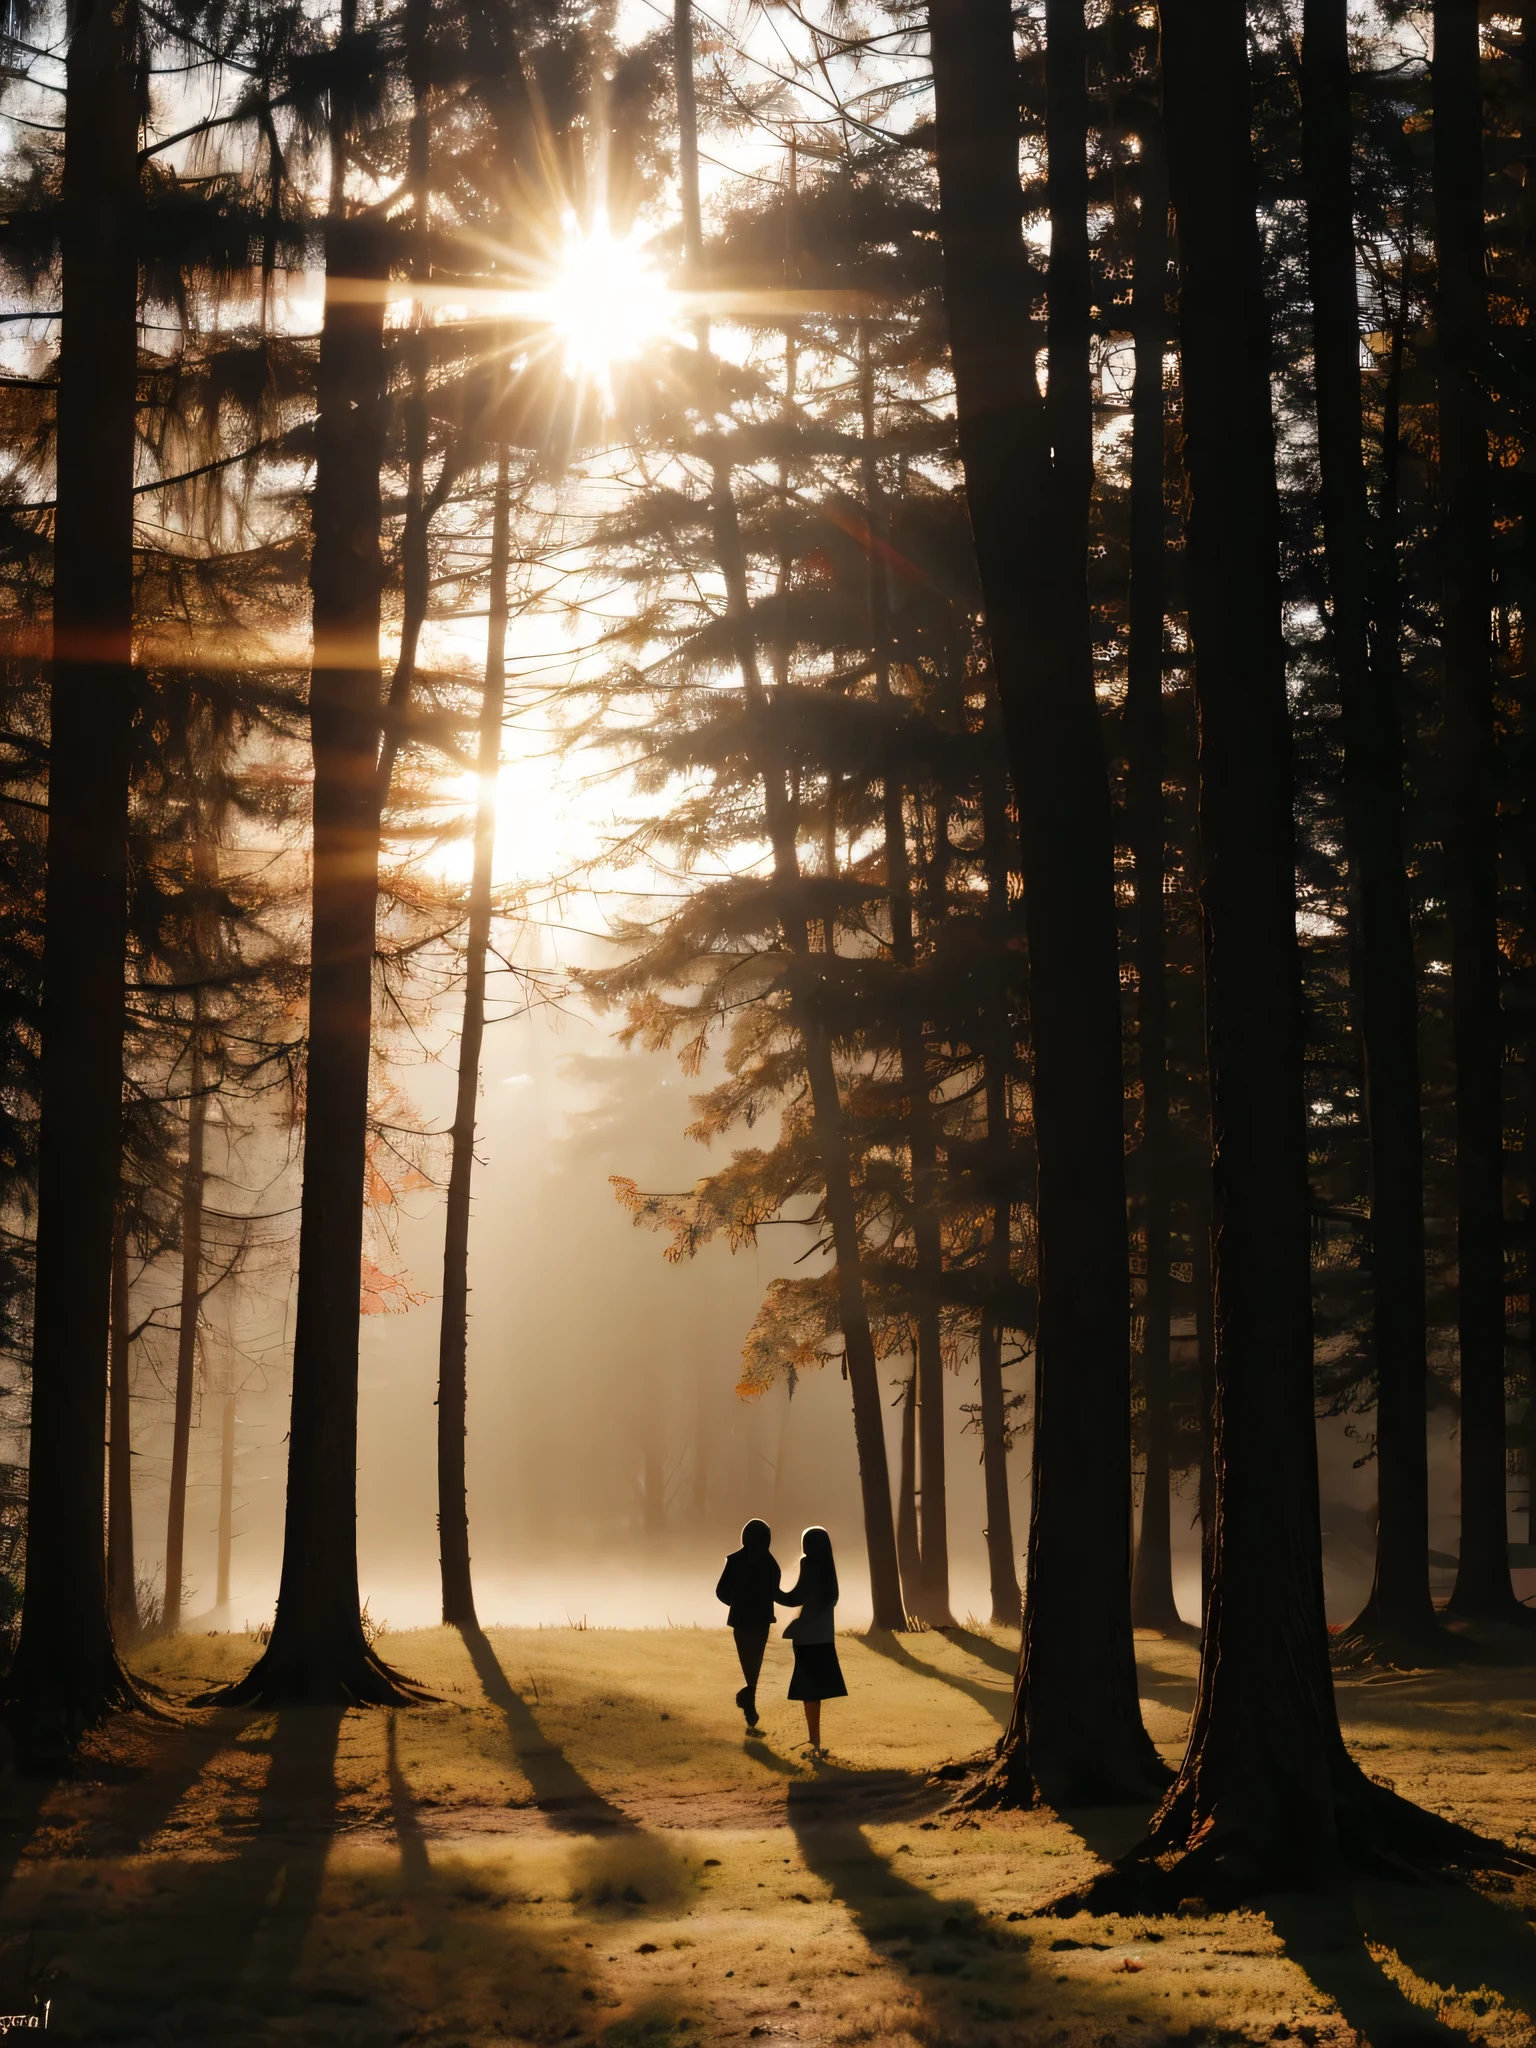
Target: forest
921, 609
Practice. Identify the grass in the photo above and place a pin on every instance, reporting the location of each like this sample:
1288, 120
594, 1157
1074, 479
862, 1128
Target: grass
577, 1844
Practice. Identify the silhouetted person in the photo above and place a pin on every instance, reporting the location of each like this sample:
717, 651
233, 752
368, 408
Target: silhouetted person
818, 1675
749, 1585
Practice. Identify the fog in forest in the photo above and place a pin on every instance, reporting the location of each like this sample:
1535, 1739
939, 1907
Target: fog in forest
611, 1459
596, 1372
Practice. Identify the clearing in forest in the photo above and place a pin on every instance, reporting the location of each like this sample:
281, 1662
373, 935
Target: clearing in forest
578, 1844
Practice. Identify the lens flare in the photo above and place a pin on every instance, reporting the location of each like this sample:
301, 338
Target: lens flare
606, 300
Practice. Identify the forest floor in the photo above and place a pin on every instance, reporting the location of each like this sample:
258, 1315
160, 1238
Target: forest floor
577, 1844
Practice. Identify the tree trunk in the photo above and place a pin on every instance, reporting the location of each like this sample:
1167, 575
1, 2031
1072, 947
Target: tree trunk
1267, 1792
1483, 1589
122, 1593
1399, 1617
452, 1506
1205, 1365
922, 1138
1076, 1732
186, 1342
421, 505
226, 1499
1152, 1601
1002, 1572
66, 1674
318, 1652
998, 1059
909, 1554
821, 1071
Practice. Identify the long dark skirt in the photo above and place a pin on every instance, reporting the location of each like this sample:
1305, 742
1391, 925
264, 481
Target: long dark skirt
818, 1675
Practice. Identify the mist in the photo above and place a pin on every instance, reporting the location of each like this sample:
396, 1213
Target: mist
597, 1371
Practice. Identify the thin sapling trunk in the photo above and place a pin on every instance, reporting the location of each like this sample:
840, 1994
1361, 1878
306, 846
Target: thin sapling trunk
453, 1341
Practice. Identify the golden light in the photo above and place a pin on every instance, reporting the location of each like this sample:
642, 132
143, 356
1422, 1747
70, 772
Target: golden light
606, 300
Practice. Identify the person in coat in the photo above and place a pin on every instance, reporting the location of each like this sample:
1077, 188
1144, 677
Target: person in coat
749, 1586
818, 1676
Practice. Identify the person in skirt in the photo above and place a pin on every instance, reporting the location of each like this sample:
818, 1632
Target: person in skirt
818, 1676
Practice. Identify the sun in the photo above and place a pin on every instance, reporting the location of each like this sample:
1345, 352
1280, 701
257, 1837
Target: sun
606, 301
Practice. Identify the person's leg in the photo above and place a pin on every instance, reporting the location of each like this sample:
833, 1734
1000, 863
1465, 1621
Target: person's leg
750, 1645
813, 1722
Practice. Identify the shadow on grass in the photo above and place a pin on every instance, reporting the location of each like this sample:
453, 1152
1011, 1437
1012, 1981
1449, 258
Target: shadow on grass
1323, 1934
628, 1869
998, 1655
756, 1748
415, 1862
281, 1941
1175, 1689
560, 1792
1455, 1935
1109, 1831
962, 1969
43, 1831
206, 1950
997, 1703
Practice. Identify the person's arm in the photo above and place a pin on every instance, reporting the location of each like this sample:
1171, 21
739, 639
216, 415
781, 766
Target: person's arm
795, 1597
723, 1590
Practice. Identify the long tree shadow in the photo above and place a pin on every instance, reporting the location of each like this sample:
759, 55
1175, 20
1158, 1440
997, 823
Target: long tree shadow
1327, 1932
559, 1790
52, 1828
996, 1702
140, 1792
967, 1971
544, 1987
415, 1861
1175, 1689
627, 1868
26, 1802
207, 1946
1453, 1939
244, 1948
297, 1819
998, 1655
1109, 1831
1454, 1936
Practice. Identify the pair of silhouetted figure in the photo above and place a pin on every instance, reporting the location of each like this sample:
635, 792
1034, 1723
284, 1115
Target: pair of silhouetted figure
750, 1587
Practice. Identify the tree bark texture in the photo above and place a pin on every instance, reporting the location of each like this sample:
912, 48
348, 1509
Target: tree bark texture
226, 1533
122, 1593
453, 1341
1399, 1615
186, 1341
66, 1674
1152, 1601
1076, 1731
1205, 1366
909, 1555
997, 1062
1482, 1587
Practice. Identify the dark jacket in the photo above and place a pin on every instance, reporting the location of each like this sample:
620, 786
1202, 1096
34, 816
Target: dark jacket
749, 1585
816, 1597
